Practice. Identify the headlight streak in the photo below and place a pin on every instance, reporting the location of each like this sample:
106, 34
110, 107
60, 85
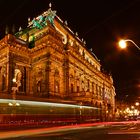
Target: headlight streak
38, 103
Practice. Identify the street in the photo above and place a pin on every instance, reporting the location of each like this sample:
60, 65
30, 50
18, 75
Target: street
101, 131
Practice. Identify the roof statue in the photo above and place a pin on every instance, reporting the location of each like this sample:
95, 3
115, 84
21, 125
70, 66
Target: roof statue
41, 21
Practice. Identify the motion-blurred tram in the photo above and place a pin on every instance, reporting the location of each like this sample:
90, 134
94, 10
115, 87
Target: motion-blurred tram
35, 112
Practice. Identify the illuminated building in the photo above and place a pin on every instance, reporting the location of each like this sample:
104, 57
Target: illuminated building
47, 61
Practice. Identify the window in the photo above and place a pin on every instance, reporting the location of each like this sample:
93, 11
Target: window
71, 88
56, 87
77, 88
56, 81
88, 85
3, 82
92, 87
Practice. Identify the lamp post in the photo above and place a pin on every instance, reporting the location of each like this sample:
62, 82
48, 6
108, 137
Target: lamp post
123, 43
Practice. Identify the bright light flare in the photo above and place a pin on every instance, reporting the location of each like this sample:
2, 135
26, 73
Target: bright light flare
17, 104
14, 80
122, 44
10, 104
137, 103
132, 107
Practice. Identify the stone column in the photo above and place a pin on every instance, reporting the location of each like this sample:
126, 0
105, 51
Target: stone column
47, 76
66, 71
27, 80
7, 75
47, 79
11, 69
30, 81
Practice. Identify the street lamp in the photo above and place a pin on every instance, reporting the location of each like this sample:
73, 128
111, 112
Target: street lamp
123, 44
132, 107
137, 103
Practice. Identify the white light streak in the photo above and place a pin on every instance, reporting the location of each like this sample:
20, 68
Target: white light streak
37, 103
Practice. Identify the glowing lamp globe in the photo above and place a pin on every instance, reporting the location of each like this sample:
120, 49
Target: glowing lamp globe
122, 44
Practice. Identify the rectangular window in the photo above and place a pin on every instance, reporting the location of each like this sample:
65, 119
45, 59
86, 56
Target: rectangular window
93, 88
71, 88
77, 88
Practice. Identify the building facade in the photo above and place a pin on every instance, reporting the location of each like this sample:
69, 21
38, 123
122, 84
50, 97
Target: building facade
47, 61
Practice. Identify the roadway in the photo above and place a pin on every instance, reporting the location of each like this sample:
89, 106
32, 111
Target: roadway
98, 131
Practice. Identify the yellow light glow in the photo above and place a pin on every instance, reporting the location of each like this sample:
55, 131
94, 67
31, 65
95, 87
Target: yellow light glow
14, 80
17, 104
10, 104
127, 109
137, 103
135, 111
132, 107
122, 44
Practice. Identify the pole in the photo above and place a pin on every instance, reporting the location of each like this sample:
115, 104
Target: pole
129, 40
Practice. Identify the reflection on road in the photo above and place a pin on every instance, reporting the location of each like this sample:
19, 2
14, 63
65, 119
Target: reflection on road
97, 131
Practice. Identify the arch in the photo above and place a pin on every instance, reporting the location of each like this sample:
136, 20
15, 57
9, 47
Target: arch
56, 87
96, 104
56, 72
3, 82
56, 82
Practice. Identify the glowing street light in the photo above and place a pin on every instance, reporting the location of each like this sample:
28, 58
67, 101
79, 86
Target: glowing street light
123, 43
137, 103
14, 80
132, 107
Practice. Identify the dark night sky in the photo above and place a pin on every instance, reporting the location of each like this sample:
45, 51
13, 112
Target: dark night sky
101, 23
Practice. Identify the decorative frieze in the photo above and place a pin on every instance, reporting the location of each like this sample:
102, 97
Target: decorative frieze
19, 58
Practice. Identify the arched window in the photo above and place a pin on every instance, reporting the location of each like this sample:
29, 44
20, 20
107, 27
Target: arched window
56, 82
71, 88
56, 87
88, 85
3, 82
38, 86
56, 73
92, 88
78, 89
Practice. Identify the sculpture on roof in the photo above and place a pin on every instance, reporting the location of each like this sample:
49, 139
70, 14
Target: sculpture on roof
41, 21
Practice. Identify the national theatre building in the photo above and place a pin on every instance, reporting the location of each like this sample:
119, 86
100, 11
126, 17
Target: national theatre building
48, 62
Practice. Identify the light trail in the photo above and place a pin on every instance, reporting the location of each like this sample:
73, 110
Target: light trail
51, 130
37, 103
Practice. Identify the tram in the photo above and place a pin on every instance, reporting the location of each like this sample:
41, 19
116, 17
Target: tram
48, 113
